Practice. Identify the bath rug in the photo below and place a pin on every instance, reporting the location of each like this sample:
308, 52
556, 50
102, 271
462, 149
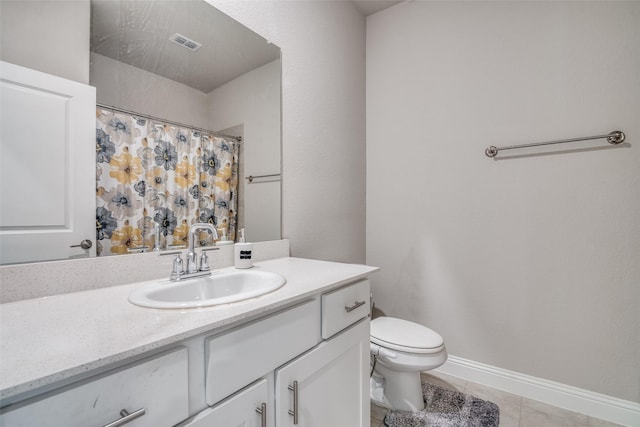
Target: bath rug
446, 408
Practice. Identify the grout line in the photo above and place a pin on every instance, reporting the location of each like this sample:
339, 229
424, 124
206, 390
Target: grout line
520, 413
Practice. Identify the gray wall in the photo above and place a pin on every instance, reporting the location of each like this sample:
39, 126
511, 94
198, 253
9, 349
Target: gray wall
323, 128
53, 39
148, 93
530, 264
253, 100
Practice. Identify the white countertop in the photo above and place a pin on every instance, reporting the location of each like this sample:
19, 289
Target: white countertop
52, 339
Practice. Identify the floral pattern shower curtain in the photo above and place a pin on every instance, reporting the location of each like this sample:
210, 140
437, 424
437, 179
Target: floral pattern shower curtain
150, 174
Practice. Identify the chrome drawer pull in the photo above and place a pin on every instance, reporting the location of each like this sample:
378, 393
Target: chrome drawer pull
354, 306
262, 410
294, 413
126, 417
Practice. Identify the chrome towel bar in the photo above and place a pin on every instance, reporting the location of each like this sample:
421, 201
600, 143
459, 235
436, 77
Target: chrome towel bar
615, 137
250, 178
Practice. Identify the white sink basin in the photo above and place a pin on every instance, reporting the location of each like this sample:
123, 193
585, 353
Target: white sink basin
219, 288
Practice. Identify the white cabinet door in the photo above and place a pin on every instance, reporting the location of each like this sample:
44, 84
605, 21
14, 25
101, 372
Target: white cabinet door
47, 171
331, 383
248, 408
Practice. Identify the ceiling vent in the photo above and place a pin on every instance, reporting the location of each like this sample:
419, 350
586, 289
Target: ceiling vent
185, 42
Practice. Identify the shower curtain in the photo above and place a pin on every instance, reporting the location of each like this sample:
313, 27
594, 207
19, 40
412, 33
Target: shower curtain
150, 174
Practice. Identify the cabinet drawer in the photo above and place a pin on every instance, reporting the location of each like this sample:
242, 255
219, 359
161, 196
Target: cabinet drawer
242, 355
344, 307
158, 385
241, 409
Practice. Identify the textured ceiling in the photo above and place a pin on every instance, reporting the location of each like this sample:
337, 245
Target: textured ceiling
137, 33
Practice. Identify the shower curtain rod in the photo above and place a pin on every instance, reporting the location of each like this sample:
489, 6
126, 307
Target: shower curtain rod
169, 122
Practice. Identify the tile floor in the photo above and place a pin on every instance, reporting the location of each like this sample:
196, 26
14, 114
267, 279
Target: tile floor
515, 411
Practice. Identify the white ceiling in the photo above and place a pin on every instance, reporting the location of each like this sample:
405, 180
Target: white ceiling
369, 7
137, 33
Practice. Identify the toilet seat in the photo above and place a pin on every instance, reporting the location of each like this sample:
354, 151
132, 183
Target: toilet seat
403, 335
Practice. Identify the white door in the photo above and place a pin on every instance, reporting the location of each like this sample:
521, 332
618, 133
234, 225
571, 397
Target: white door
248, 408
47, 166
331, 383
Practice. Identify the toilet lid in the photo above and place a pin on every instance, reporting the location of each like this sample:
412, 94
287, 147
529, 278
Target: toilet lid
404, 335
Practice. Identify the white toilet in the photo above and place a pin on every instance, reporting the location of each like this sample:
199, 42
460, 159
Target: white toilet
401, 350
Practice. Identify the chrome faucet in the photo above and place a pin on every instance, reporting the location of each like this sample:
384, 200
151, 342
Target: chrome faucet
192, 262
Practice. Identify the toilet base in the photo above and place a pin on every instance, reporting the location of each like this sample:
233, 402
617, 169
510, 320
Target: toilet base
402, 390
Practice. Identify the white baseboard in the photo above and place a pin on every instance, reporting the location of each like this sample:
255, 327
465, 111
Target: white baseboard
556, 394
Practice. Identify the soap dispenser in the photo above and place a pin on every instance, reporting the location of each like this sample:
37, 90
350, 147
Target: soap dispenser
243, 252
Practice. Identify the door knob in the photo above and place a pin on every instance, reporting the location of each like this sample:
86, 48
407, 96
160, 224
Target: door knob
85, 244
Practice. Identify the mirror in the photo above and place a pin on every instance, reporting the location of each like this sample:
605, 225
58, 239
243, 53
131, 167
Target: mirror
185, 64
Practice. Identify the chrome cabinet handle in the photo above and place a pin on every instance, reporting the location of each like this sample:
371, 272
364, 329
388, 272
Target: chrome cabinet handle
354, 306
294, 413
85, 244
262, 410
126, 417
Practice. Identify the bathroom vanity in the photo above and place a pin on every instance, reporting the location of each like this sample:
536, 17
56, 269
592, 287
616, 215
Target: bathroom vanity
296, 356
